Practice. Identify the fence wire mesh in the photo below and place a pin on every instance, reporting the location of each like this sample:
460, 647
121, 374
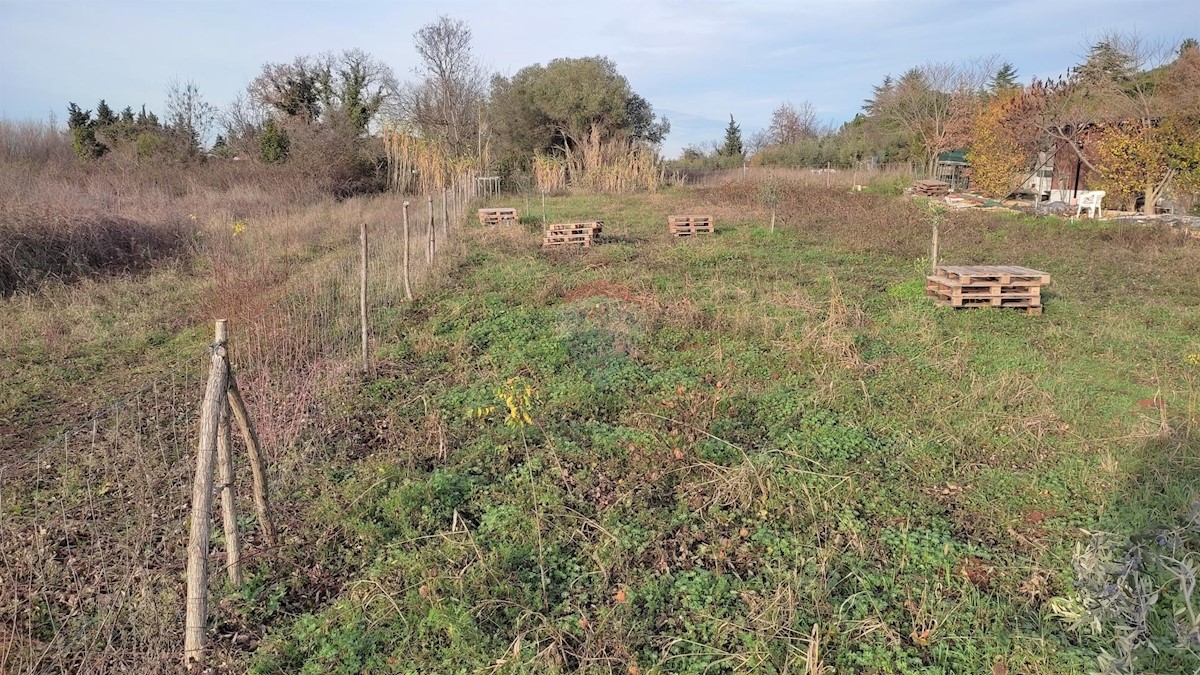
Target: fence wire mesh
93, 523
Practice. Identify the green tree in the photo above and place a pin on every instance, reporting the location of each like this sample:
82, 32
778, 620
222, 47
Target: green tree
105, 117
1004, 79
274, 143
83, 133
146, 120
562, 106
733, 140
346, 90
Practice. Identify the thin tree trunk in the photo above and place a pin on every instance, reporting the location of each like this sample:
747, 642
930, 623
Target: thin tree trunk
407, 285
362, 300
258, 465
198, 540
233, 545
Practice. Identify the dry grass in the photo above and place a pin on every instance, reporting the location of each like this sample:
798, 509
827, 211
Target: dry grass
114, 274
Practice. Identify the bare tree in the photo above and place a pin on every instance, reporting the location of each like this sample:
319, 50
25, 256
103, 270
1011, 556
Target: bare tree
188, 115
792, 124
446, 102
923, 101
242, 121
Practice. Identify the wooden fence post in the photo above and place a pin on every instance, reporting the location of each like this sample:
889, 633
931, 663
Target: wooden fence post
430, 240
362, 299
933, 253
233, 544
197, 564
407, 287
258, 470
445, 219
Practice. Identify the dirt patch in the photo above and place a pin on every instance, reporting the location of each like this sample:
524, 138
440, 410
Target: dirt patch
606, 289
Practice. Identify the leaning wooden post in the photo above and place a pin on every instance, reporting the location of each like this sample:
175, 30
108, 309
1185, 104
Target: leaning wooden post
197, 564
258, 468
430, 241
362, 299
233, 545
407, 286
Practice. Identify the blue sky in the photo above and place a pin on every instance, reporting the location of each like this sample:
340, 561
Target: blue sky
697, 61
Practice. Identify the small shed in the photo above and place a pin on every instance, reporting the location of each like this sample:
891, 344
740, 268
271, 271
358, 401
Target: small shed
953, 168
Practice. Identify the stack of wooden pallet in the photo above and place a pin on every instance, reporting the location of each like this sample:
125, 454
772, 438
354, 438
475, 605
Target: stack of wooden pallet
931, 188
572, 234
682, 226
988, 286
498, 216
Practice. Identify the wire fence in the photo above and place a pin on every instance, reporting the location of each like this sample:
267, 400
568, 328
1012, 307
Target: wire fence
840, 177
93, 524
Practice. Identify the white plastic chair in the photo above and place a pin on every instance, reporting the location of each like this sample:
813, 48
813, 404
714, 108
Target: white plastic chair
1090, 200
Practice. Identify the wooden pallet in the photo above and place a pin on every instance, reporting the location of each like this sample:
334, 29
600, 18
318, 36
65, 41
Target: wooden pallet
1032, 310
942, 287
1003, 274
498, 216
683, 226
931, 188
987, 286
572, 234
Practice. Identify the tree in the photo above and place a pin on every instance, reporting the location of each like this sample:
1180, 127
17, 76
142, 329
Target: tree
242, 122
1151, 138
83, 133
733, 141
1110, 60
446, 103
105, 117
146, 120
189, 117
274, 143
570, 108
998, 159
348, 90
1005, 79
643, 125
924, 101
791, 124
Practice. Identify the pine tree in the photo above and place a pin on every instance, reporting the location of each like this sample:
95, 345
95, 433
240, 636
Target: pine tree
1004, 79
105, 117
879, 94
1105, 63
1188, 43
733, 140
83, 133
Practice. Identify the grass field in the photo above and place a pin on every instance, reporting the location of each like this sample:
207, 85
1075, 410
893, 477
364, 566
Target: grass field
750, 452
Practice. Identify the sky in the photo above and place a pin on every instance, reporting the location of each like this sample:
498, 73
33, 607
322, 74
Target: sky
696, 61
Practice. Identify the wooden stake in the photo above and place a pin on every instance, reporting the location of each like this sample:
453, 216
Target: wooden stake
233, 545
430, 241
407, 286
362, 299
933, 254
197, 564
445, 219
258, 465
